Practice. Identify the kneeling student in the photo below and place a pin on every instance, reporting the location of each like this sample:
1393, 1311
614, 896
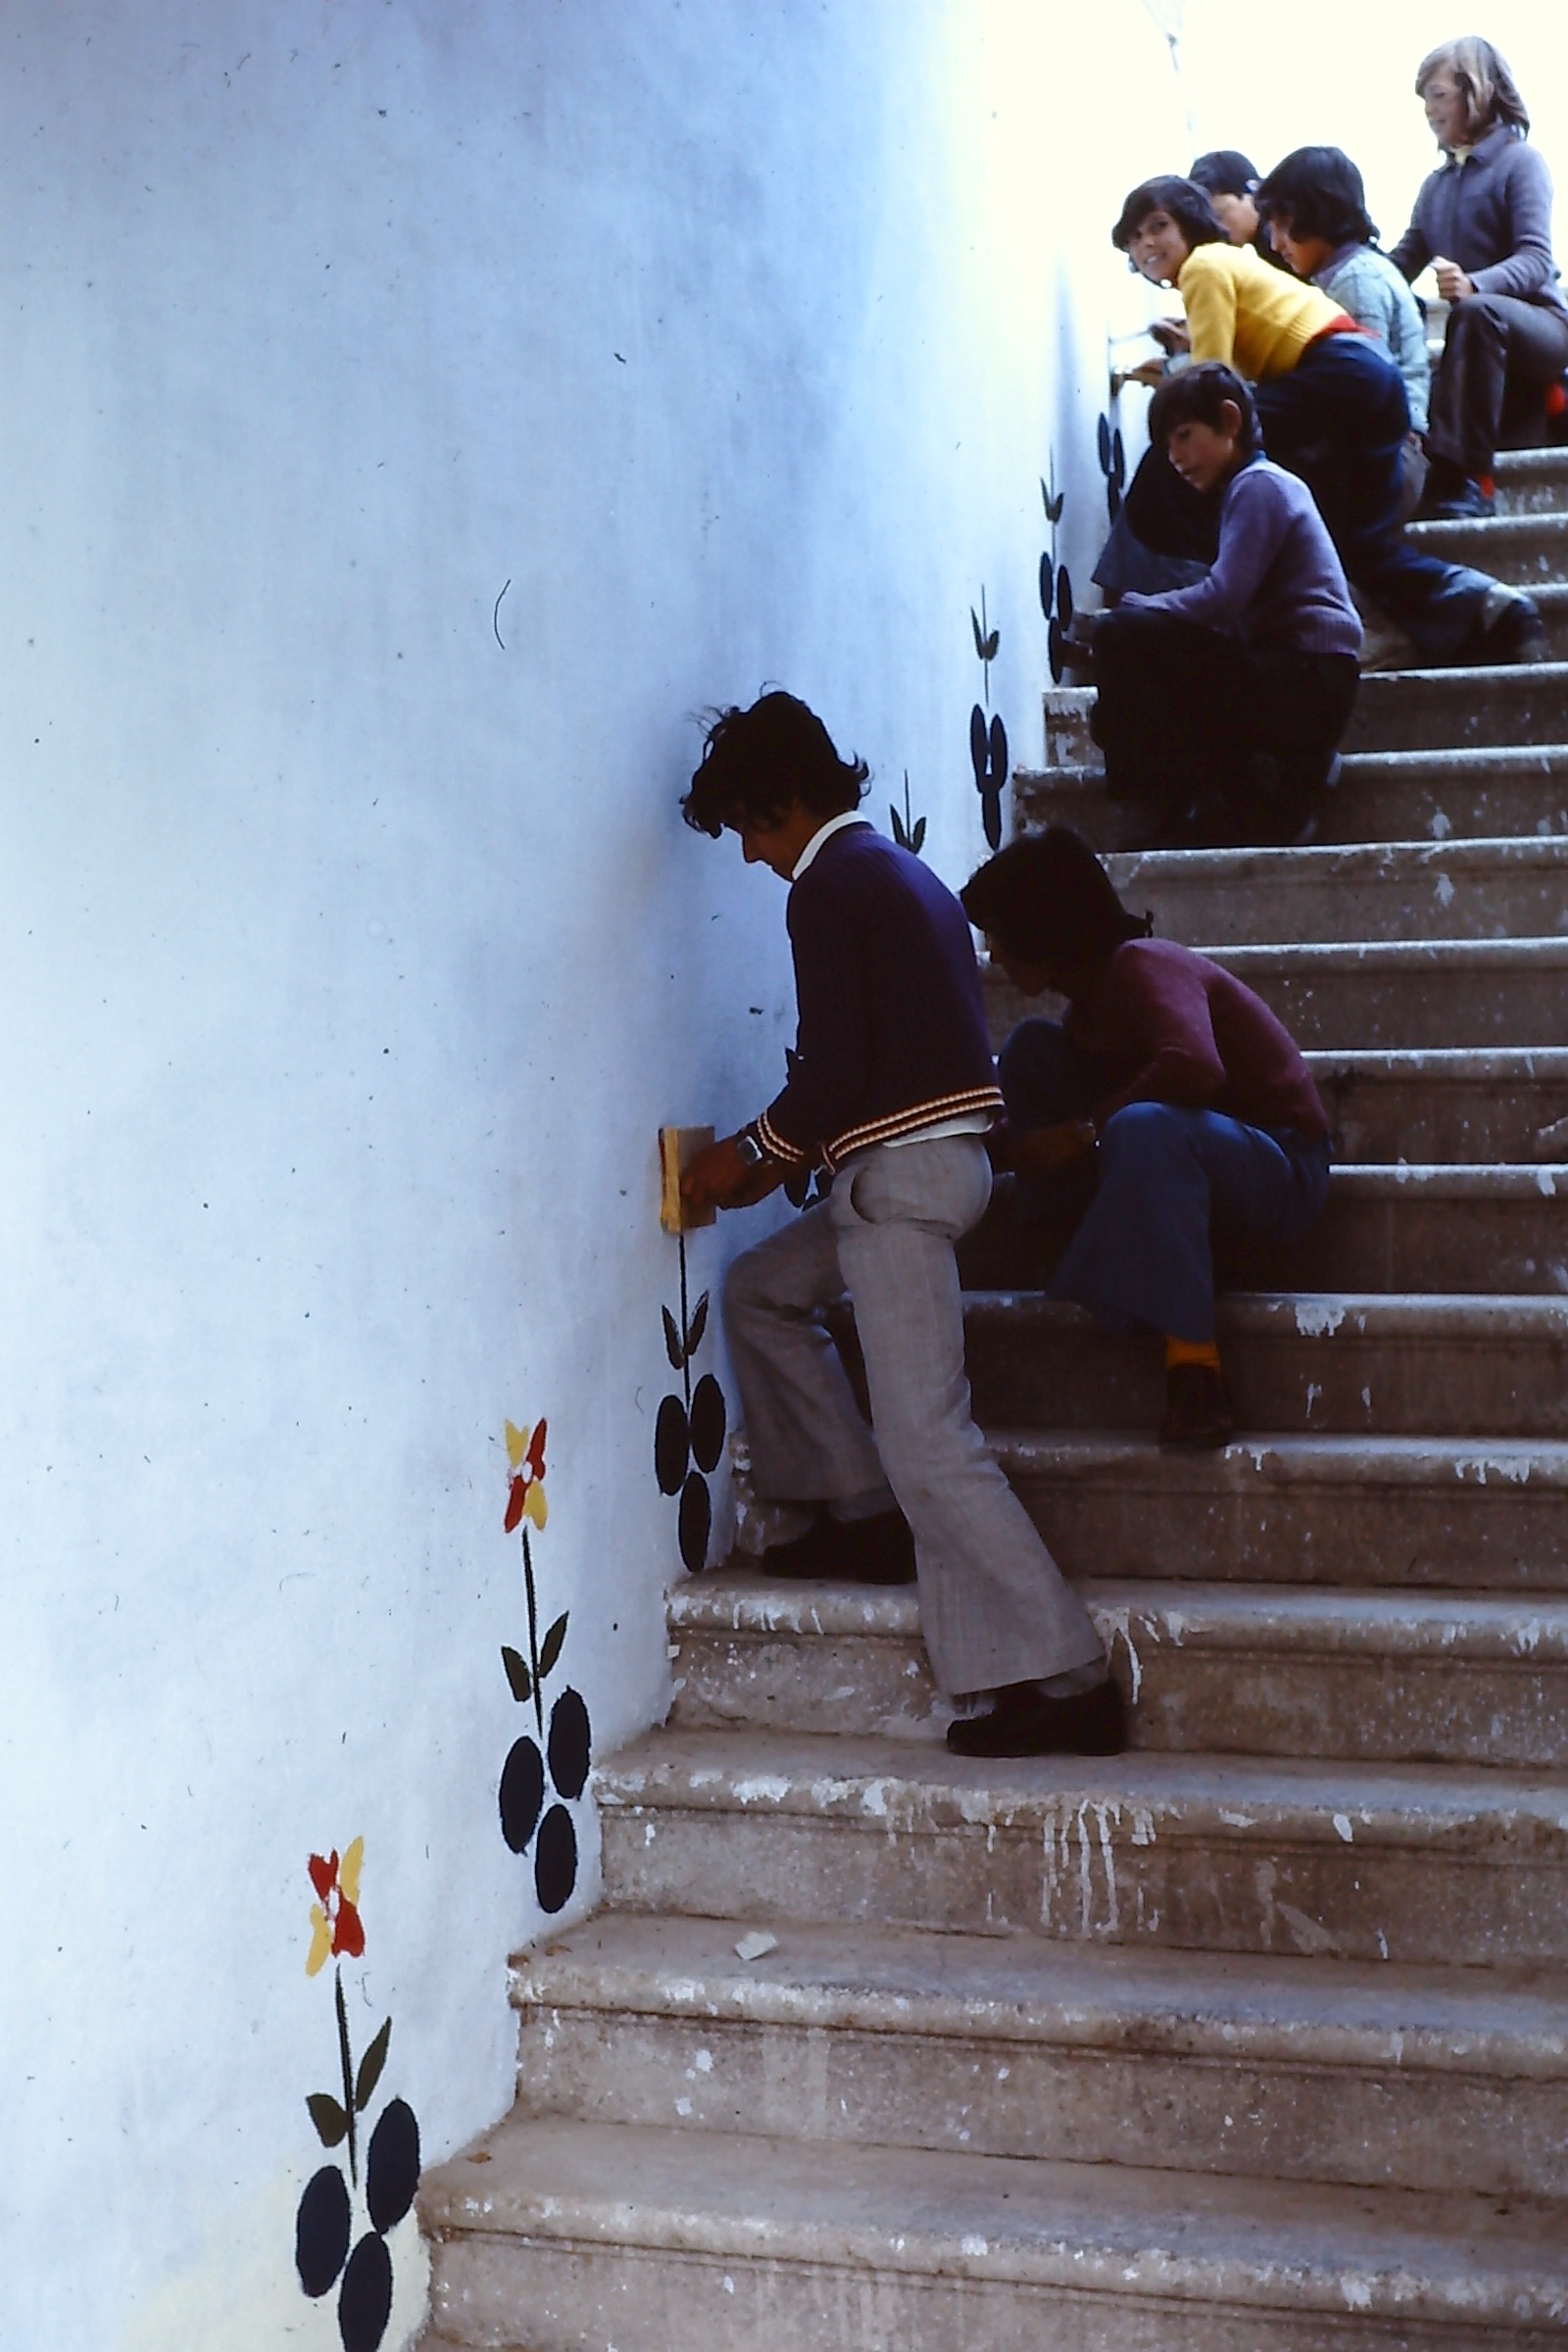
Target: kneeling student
1169, 1099
1224, 702
892, 1088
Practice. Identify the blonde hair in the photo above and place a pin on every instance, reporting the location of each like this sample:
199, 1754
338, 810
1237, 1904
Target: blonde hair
1491, 93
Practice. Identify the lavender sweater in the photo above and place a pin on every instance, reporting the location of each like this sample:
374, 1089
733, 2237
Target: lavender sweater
1492, 214
1275, 580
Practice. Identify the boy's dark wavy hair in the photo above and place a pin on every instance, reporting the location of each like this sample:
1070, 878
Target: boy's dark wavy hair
1200, 393
757, 764
1047, 899
1186, 204
1225, 172
1318, 192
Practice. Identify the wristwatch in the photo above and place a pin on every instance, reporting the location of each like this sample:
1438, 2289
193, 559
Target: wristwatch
748, 1145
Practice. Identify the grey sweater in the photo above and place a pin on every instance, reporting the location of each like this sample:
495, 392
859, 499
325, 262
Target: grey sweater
1275, 580
1491, 214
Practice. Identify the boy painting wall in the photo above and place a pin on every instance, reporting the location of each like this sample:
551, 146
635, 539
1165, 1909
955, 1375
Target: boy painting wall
891, 1090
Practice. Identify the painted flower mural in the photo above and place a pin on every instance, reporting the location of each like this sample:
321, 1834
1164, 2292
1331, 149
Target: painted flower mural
556, 1761
383, 2174
689, 1429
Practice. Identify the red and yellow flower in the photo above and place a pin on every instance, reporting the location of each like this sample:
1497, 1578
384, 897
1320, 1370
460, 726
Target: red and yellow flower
336, 1929
526, 1496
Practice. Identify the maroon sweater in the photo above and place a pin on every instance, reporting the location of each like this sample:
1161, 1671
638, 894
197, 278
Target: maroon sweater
1189, 1032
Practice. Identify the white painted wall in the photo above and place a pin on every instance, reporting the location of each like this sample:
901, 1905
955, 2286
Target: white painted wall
351, 961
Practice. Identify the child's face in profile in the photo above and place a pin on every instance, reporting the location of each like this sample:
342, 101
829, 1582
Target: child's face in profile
1304, 254
1237, 216
1206, 456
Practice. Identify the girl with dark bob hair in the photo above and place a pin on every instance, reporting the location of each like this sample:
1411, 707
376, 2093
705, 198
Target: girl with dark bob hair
1335, 413
1167, 1099
1484, 221
1221, 704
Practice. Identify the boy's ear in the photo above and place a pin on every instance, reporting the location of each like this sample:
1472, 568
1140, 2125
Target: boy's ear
1230, 417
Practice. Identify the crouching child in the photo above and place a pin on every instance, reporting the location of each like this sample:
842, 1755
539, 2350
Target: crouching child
891, 1090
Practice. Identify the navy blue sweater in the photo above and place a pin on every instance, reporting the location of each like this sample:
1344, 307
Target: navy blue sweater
892, 1033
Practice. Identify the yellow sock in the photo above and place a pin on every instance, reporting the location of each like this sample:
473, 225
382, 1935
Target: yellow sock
1191, 1351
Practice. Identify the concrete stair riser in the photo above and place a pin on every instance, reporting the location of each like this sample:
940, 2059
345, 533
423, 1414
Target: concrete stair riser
1529, 549
1472, 1516
1496, 890
1353, 1363
1238, 1670
1430, 1228
1532, 482
1381, 795
1500, 705
1396, 995
1014, 2046
1213, 1854
572, 2237
1443, 1106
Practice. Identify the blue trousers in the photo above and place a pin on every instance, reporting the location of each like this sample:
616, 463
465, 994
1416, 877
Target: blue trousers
1141, 1252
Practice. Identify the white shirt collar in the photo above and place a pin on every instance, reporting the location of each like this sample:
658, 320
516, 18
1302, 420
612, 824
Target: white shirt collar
835, 824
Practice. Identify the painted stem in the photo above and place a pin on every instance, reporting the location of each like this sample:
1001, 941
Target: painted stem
685, 1333
348, 2077
533, 1632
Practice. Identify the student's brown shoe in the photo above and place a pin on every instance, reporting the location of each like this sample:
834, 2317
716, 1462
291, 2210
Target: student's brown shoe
1024, 1722
1198, 1408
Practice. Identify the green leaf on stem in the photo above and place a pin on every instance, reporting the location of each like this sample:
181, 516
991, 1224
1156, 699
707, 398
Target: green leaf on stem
370, 2064
672, 1345
332, 2124
549, 1648
698, 1324
518, 1673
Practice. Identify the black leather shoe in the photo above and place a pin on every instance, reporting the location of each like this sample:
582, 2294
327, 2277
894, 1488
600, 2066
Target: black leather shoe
1024, 1722
1197, 1409
1518, 634
851, 1551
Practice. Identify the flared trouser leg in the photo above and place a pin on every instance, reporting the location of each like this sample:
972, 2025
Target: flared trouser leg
994, 1609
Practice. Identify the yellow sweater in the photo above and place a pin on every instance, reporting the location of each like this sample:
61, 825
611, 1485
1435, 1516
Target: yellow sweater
1257, 320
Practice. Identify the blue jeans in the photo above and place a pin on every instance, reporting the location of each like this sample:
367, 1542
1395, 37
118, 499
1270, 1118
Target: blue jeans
1140, 1251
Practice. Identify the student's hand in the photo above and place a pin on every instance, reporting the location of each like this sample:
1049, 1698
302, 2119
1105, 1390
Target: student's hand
1146, 372
1452, 283
1172, 334
718, 1178
1045, 1150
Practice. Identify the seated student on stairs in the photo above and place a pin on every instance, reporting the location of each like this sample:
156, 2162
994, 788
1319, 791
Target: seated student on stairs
1169, 1098
1333, 410
892, 1088
1222, 704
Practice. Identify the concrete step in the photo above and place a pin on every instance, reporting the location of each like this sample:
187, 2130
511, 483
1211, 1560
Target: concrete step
1381, 795
1477, 1514
989, 2045
1260, 1670
1399, 994
1527, 548
1413, 889
1456, 1105
1419, 1364
1431, 1227
1406, 1862
563, 2236
1532, 482
1499, 704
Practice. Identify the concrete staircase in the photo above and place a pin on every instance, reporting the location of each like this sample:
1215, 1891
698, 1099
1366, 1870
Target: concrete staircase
1257, 2037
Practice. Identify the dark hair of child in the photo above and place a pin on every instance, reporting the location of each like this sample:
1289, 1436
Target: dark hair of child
1225, 172
757, 764
1198, 394
1318, 192
1186, 204
1048, 899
